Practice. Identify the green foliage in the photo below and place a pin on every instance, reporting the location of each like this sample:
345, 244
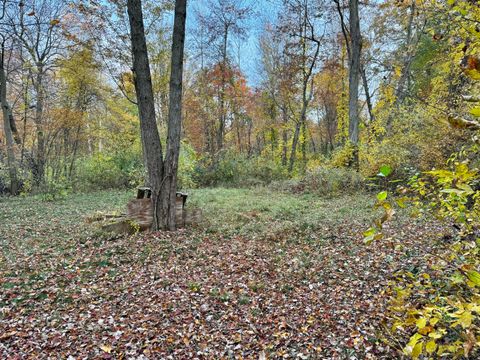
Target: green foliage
451, 194
342, 156
238, 170
187, 163
55, 189
439, 310
102, 171
325, 182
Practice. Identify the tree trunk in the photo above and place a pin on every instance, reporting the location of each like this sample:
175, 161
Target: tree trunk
39, 173
174, 114
367, 94
222, 116
354, 75
12, 168
293, 152
284, 136
152, 147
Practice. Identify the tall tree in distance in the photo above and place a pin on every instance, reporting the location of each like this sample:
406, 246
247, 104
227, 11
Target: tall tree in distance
162, 175
36, 25
354, 77
299, 25
226, 19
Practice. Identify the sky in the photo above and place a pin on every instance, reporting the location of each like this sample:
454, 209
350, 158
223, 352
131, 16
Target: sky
245, 52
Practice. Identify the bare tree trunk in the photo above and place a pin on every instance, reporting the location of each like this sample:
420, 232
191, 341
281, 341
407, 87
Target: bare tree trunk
367, 94
25, 114
152, 147
293, 152
307, 33
354, 75
284, 136
407, 61
13, 127
174, 114
12, 168
40, 158
221, 122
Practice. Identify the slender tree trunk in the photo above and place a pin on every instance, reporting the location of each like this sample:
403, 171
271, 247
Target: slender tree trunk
354, 76
222, 116
367, 94
293, 152
304, 142
174, 114
12, 168
40, 158
25, 114
152, 147
405, 72
284, 137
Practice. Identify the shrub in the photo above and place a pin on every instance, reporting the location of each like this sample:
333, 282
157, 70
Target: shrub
436, 313
324, 181
187, 163
53, 190
238, 170
103, 171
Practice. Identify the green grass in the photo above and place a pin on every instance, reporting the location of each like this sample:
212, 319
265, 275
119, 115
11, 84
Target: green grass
261, 211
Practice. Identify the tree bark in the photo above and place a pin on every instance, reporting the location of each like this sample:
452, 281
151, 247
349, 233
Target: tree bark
174, 114
12, 168
152, 147
39, 173
354, 76
221, 120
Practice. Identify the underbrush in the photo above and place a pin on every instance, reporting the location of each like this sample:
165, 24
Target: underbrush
324, 182
237, 170
435, 310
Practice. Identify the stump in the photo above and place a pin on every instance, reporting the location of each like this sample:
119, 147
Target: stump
139, 215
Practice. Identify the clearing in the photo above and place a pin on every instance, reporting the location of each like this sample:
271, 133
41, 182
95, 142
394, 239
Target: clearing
271, 274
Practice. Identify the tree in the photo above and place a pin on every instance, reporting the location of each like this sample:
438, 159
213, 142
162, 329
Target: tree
353, 42
354, 46
36, 25
162, 175
304, 53
226, 19
174, 113
7, 113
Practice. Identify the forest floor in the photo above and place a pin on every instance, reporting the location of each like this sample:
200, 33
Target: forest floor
267, 275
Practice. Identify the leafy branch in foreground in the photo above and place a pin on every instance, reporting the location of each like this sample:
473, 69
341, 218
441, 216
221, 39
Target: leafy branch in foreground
437, 312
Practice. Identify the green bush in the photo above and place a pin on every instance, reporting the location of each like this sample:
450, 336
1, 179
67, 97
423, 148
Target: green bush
104, 171
324, 181
187, 163
237, 170
125, 169
54, 190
